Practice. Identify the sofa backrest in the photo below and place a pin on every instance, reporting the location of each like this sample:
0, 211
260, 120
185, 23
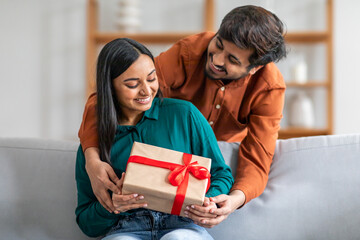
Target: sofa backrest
37, 189
313, 192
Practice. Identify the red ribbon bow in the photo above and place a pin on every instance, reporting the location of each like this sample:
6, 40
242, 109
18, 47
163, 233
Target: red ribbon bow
179, 175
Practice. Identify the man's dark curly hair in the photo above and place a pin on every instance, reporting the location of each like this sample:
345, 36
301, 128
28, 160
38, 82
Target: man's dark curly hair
253, 27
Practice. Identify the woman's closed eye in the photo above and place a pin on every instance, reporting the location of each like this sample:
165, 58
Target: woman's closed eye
132, 85
135, 85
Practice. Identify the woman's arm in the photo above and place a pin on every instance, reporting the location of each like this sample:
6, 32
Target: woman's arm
102, 178
204, 143
93, 219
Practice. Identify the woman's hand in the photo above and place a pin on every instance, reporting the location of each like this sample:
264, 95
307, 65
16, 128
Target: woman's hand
201, 213
123, 203
226, 205
102, 178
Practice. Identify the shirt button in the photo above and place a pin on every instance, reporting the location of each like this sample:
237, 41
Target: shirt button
217, 106
211, 122
222, 88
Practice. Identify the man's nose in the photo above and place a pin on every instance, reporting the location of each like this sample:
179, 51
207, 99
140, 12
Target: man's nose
219, 59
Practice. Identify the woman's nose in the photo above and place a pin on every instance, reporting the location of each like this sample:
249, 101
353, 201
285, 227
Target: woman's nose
145, 90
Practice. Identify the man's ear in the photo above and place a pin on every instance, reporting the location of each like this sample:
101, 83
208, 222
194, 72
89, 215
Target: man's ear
254, 70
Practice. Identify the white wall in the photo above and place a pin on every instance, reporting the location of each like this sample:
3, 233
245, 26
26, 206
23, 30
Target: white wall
41, 67
346, 64
42, 63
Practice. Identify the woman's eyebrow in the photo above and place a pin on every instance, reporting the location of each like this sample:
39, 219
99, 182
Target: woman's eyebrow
131, 79
136, 79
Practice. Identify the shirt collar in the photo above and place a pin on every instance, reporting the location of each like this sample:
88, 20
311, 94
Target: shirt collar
153, 112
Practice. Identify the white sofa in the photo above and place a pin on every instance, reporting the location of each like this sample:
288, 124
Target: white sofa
313, 191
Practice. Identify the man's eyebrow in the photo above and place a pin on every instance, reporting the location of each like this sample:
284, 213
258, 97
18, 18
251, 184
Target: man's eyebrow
136, 79
231, 56
235, 58
151, 72
218, 38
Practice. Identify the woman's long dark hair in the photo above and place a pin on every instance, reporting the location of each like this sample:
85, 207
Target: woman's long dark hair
114, 59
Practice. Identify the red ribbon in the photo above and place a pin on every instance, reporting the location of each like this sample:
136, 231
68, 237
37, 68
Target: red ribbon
179, 175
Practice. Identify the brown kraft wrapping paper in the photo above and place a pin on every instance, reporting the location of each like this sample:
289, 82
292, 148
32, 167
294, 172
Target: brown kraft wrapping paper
152, 182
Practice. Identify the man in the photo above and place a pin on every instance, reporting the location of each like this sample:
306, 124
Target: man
231, 78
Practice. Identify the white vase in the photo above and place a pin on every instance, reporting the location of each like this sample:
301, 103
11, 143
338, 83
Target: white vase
300, 72
128, 19
301, 112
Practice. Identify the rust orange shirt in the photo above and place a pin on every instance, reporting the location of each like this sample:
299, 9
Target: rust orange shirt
248, 110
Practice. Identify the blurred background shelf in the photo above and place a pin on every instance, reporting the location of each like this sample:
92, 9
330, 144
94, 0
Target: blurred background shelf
316, 87
105, 37
310, 84
301, 132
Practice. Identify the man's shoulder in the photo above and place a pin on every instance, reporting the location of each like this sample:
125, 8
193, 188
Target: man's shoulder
199, 37
197, 44
270, 77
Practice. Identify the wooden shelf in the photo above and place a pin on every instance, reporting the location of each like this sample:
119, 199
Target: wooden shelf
170, 37
300, 132
158, 38
307, 85
306, 37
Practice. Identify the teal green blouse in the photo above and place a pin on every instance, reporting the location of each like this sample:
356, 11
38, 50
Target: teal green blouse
169, 123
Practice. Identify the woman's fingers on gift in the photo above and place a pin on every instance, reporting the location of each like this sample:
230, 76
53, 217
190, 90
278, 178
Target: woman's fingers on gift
206, 202
123, 200
210, 222
198, 211
128, 207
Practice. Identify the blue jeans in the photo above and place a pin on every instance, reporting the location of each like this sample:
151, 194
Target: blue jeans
146, 224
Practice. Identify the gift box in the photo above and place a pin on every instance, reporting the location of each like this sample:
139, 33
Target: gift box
169, 180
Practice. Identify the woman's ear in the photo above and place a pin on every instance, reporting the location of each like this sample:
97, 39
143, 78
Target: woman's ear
254, 70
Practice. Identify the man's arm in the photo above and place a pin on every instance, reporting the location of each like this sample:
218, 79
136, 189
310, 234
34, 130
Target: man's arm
254, 159
101, 174
257, 149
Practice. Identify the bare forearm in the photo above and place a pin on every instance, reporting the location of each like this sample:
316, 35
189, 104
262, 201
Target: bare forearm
238, 199
91, 154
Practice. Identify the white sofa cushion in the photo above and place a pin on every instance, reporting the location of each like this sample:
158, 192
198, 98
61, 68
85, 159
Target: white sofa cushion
313, 193
37, 189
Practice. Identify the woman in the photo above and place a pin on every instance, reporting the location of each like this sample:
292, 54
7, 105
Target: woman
129, 109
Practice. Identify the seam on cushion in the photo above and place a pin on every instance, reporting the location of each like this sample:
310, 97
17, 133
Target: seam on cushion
321, 147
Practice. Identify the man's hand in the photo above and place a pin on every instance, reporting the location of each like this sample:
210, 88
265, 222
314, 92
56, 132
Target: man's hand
226, 205
102, 178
